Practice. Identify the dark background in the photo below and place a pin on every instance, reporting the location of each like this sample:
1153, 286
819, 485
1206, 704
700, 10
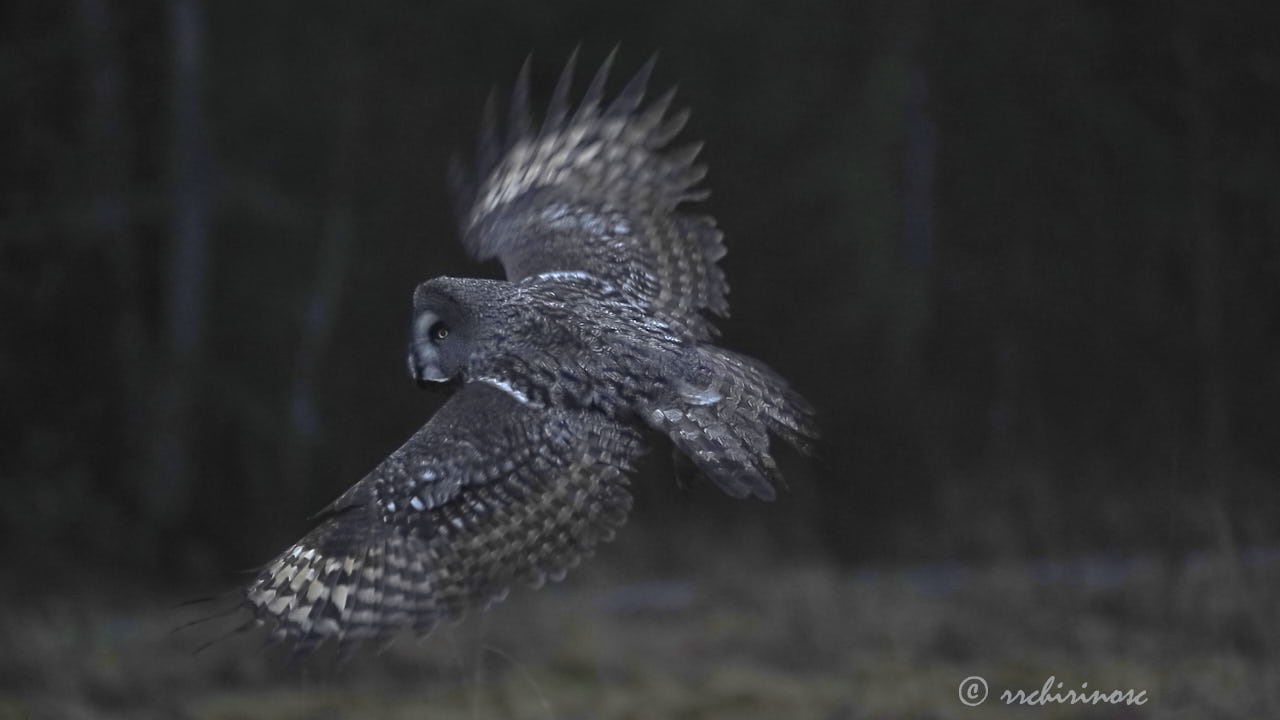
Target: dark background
1023, 259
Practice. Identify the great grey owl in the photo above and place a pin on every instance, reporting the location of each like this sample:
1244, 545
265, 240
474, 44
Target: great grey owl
598, 334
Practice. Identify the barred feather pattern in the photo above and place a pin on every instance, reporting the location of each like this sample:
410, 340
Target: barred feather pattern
575, 341
488, 494
723, 423
598, 331
596, 191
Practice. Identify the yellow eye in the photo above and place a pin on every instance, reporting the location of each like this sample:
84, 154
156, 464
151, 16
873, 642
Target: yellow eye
439, 331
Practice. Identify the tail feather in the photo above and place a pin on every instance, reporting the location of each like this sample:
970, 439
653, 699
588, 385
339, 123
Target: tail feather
723, 419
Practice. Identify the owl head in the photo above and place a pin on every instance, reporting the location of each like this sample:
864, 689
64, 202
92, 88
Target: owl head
448, 322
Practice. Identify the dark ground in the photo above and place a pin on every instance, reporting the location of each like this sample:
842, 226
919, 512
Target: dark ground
738, 638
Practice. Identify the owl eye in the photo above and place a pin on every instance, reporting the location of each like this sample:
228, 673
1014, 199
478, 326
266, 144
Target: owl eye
439, 331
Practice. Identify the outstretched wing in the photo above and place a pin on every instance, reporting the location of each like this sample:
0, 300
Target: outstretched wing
489, 493
596, 191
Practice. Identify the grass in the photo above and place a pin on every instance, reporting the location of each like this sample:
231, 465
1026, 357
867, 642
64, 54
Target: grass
743, 640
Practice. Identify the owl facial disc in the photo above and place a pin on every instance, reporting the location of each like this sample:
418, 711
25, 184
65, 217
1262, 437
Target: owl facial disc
424, 353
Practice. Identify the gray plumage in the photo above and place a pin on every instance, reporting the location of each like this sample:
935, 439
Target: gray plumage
600, 330
490, 492
596, 191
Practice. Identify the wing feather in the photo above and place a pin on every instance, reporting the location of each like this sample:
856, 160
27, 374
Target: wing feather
518, 122
491, 492
597, 192
723, 421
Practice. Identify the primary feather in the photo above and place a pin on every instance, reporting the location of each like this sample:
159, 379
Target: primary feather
489, 493
597, 191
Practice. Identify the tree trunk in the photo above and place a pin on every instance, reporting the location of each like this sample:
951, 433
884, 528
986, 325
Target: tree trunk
108, 169
325, 296
168, 490
1206, 250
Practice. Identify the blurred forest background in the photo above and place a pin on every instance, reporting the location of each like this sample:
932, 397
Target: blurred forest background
1023, 258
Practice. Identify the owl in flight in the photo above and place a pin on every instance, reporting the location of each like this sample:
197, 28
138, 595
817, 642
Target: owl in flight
596, 343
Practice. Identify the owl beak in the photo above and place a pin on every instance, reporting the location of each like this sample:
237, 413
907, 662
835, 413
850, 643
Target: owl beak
439, 386
424, 369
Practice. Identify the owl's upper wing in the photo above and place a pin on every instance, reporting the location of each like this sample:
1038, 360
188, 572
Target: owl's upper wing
489, 493
596, 191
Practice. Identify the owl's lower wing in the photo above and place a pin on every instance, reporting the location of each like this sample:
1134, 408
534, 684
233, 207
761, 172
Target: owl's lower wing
491, 492
596, 192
